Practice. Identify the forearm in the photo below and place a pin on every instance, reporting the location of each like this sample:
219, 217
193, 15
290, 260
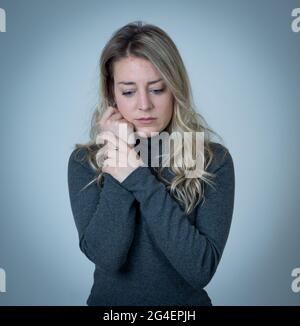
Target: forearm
104, 218
193, 250
108, 236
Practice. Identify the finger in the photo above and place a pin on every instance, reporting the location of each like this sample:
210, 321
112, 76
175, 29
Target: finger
112, 147
106, 135
116, 116
126, 143
106, 166
134, 158
108, 113
123, 120
119, 148
109, 162
106, 169
117, 159
100, 158
101, 154
120, 145
112, 141
126, 131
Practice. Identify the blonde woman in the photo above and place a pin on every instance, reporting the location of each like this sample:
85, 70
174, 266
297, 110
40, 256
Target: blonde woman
155, 236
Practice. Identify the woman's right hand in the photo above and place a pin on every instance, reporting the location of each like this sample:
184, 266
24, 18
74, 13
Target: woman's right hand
112, 120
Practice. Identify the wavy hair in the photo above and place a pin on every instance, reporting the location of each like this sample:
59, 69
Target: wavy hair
150, 42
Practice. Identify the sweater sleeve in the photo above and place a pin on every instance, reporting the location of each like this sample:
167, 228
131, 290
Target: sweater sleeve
193, 249
104, 218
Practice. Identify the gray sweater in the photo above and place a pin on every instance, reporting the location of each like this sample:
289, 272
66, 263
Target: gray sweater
146, 251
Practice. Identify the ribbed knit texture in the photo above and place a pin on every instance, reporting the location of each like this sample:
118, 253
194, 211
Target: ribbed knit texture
146, 251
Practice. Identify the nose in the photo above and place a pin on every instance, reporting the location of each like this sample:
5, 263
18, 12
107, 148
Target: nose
144, 102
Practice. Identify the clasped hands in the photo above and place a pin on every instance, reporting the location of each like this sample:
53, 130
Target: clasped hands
121, 159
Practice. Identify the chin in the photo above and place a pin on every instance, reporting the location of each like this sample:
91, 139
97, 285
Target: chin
146, 132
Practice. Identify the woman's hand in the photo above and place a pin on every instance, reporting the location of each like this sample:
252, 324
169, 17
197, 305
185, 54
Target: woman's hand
112, 120
121, 159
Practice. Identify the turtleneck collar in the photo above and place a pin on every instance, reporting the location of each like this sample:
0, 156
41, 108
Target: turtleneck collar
144, 145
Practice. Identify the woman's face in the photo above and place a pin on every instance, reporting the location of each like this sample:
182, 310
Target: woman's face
137, 97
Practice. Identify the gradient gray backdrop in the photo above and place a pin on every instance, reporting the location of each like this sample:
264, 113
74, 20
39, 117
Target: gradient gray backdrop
243, 61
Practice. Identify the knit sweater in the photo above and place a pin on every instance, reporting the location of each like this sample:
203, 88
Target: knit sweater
146, 250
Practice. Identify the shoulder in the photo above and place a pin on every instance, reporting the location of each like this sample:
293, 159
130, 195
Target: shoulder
221, 157
79, 157
222, 170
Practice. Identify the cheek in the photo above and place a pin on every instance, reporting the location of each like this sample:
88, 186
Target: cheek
168, 115
126, 112
168, 105
123, 107
167, 100
123, 111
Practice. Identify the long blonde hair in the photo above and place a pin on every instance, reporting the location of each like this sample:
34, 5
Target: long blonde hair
149, 42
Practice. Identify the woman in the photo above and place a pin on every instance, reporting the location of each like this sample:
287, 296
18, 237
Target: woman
153, 235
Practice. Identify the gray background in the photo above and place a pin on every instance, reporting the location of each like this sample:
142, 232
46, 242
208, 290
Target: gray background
243, 61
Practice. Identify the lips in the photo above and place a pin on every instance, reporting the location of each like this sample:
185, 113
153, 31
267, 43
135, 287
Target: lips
146, 119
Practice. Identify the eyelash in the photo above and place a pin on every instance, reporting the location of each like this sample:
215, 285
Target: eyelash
157, 91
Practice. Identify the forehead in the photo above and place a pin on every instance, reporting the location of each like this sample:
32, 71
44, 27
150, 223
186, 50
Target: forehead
135, 70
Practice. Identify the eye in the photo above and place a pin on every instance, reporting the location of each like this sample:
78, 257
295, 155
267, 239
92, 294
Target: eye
127, 93
156, 91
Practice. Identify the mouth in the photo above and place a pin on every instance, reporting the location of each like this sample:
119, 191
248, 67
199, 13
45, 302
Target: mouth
146, 120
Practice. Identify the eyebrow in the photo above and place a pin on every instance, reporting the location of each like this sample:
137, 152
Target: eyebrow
133, 83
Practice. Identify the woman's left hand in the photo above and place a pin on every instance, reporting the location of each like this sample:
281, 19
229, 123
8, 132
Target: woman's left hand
121, 158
